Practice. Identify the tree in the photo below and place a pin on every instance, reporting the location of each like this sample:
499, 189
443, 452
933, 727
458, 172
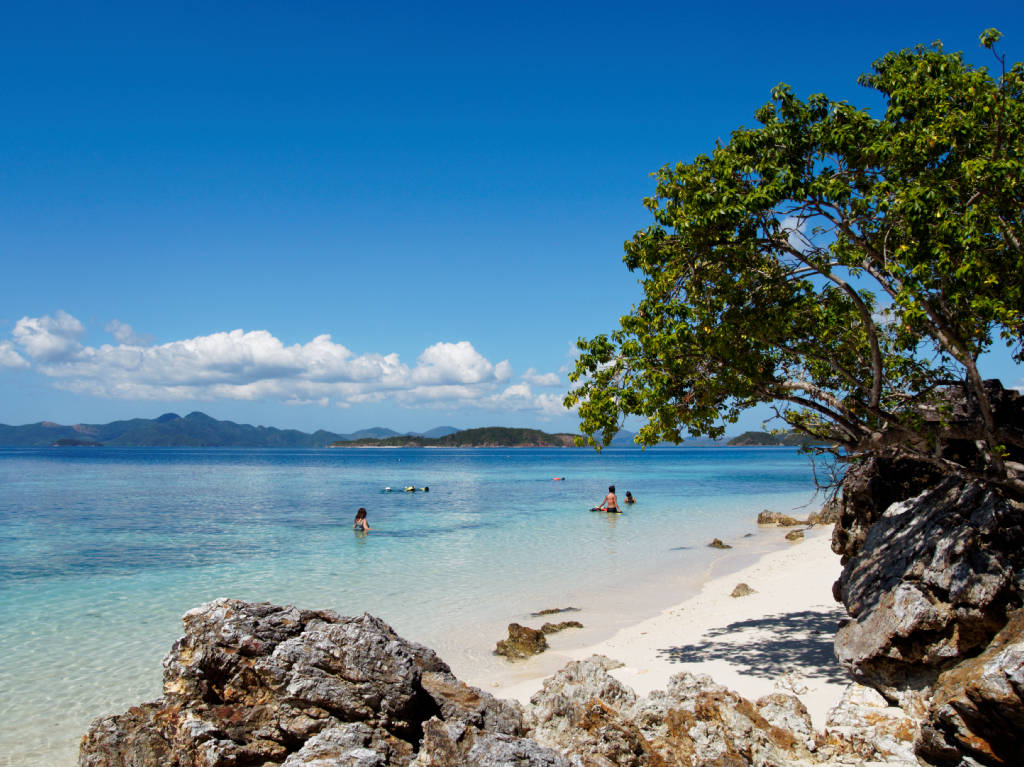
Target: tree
846, 269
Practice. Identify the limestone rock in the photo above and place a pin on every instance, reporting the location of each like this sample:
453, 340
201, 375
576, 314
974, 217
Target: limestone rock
742, 590
717, 544
554, 611
827, 515
977, 708
778, 519
458, 702
869, 489
593, 719
448, 745
262, 684
554, 628
864, 726
522, 642
795, 535
933, 583
787, 713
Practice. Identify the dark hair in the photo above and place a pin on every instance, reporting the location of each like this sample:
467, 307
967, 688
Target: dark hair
361, 514
611, 488
628, 493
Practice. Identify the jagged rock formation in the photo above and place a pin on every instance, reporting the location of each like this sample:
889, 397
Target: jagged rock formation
257, 684
254, 684
826, 515
977, 707
554, 628
778, 519
522, 642
934, 570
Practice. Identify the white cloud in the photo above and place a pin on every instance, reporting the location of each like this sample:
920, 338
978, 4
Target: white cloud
445, 363
541, 379
255, 365
125, 334
9, 358
49, 338
795, 229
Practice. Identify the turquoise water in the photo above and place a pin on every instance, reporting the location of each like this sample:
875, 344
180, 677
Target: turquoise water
102, 551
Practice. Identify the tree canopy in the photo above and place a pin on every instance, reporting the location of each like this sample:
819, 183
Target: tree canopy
847, 269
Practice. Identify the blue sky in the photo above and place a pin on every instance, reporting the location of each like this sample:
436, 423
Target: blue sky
339, 215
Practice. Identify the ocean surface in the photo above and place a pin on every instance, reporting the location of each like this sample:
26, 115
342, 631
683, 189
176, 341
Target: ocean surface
103, 549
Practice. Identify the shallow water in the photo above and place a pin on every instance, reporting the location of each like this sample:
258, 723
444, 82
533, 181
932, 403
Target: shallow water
103, 549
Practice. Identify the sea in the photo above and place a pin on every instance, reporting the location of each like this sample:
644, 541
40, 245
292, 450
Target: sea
102, 550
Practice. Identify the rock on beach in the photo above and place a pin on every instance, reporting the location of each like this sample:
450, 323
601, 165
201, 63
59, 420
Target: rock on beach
261, 684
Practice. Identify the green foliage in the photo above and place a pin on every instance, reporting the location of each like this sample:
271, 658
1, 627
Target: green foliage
842, 267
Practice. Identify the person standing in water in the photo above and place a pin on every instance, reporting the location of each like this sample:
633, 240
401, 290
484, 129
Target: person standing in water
629, 497
610, 502
360, 522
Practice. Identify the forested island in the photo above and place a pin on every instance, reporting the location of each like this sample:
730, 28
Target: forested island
488, 436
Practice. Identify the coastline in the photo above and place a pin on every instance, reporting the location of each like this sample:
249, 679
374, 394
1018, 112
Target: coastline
776, 639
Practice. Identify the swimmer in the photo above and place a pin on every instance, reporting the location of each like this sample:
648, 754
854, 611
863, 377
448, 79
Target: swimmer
360, 523
629, 498
610, 502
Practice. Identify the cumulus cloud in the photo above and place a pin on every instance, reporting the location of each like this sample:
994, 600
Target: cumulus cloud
256, 365
9, 358
49, 338
531, 376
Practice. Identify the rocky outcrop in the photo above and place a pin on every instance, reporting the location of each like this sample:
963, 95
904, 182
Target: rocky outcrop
717, 543
795, 535
977, 707
871, 487
864, 725
827, 515
257, 684
935, 580
522, 642
742, 590
554, 628
262, 684
778, 519
586, 713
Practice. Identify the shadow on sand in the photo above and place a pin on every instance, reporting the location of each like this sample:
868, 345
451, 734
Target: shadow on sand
772, 645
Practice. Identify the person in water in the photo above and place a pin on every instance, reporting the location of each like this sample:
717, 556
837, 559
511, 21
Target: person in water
360, 522
610, 502
629, 498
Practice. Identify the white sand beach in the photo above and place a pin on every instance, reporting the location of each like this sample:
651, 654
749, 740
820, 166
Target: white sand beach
776, 639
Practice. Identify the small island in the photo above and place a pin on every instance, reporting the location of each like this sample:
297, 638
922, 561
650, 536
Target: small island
488, 436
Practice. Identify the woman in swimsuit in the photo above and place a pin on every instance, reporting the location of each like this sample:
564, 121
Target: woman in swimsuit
610, 503
360, 522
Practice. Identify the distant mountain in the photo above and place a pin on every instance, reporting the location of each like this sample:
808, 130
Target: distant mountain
439, 431
766, 439
625, 439
194, 430
490, 436
755, 439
